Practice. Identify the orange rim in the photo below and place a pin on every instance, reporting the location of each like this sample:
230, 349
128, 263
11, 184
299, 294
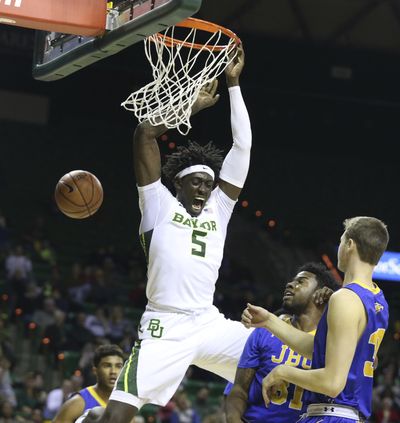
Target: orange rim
203, 26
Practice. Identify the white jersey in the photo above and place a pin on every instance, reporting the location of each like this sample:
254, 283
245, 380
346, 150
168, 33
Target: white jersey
184, 253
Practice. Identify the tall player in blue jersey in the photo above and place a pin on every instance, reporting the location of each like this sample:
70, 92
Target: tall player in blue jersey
348, 335
108, 360
304, 300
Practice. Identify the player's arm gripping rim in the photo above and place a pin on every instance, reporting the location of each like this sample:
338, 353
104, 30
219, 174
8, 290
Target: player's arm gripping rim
236, 164
346, 323
236, 401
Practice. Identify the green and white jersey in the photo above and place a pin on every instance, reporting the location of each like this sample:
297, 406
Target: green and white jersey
184, 253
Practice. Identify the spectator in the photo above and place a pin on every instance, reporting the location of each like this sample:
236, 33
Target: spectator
103, 253
201, 403
30, 300
56, 397
137, 279
102, 288
6, 347
46, 252
80, 284
387, 384
77, 381
388, 413
31, 395
45, 316
56, 334
77, 335
18, 264
98, 323
128, 340
6, 390
76, 276
110, 268
16, 286
86, 364
164, 414
184, 412
23, 414
119, 325
61, 298
216, 413
7, 412
37, 416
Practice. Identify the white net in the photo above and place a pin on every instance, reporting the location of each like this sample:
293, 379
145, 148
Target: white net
179, 71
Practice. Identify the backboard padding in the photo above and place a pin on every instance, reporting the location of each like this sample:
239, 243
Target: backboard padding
58, 55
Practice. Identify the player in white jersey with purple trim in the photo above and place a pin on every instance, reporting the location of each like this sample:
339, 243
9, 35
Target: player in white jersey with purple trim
183, 237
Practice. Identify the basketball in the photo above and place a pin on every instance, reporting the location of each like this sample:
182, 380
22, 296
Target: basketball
78, 194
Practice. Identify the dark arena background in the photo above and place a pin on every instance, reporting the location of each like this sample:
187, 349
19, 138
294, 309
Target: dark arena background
321, 83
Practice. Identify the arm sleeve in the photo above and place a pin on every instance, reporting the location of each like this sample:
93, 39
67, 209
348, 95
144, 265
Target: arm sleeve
54, 400
236, 164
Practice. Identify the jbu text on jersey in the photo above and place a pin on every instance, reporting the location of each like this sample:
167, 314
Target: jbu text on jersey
291, 358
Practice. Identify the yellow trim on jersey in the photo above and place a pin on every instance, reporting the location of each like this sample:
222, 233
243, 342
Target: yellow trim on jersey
287, 318
96, 396
375, 290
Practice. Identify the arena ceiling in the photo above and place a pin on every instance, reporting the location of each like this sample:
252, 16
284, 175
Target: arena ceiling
364, 24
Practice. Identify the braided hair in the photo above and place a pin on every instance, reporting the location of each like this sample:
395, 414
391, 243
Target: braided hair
193, 154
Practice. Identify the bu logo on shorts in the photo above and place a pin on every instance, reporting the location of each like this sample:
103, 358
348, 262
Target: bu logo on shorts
155, 328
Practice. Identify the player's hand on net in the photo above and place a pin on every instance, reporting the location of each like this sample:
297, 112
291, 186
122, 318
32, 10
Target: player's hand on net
254, 316
207, 96
322, 295
235, 67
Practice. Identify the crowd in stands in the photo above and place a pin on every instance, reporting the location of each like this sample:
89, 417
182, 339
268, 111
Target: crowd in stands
55, 310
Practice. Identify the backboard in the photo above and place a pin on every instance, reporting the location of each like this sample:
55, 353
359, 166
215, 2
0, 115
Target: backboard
57, 55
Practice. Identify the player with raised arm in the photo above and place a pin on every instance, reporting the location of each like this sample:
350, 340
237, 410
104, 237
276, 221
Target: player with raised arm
183, 236
304, 300
108, 360
348, 335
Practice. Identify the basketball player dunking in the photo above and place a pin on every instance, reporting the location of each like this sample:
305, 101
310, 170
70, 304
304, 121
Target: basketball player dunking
183, 237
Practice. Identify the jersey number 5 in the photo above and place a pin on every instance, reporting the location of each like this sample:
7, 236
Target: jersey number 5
199, 247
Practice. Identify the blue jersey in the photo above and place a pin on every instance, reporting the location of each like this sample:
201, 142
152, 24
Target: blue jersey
358, 390
262, 352
91, 398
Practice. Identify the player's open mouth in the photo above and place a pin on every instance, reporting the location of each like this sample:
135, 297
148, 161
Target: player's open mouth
197, 204
287, 294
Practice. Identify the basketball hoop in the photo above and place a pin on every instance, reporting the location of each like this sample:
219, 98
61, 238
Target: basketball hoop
183, 59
